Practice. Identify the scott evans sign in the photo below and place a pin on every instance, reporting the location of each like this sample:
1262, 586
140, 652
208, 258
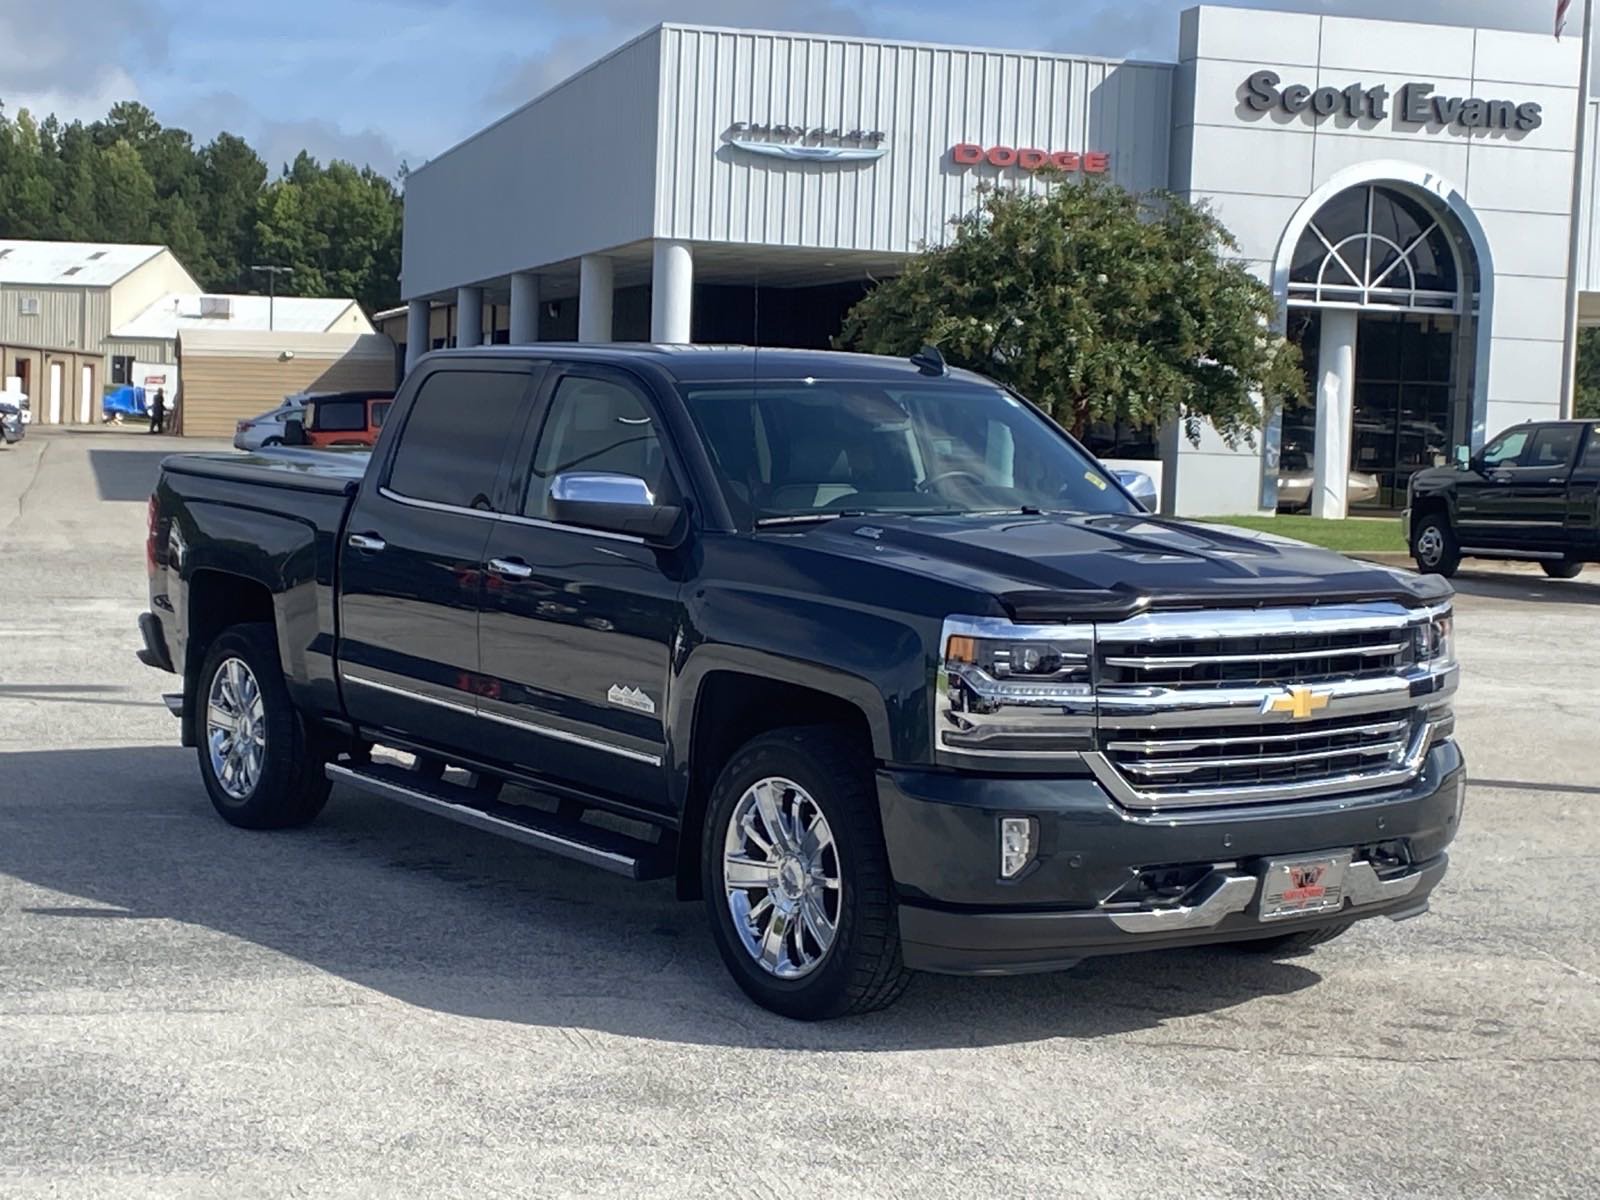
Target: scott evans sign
807, 143
1414, 104
970, 154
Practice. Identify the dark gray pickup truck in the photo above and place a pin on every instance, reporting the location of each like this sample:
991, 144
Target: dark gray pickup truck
867, 653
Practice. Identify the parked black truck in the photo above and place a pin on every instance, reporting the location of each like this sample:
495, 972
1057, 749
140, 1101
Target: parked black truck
867, 653
1531, 493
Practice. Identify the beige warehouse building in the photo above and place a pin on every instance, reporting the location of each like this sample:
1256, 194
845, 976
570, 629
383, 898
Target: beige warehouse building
77, 316
230, 375
58, 303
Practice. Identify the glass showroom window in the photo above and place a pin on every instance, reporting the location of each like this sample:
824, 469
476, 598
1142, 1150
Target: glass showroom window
1376, 247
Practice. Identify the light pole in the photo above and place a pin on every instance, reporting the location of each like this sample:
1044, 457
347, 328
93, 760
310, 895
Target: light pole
272, 286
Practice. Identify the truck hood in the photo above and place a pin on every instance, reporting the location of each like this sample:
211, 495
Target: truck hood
1066, 566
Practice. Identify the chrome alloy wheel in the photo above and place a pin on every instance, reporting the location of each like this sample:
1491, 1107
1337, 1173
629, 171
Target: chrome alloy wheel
780, 872
236, 733
1430, 546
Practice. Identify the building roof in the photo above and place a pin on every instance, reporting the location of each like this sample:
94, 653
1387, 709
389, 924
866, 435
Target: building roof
253, 343
69, 264
178, 312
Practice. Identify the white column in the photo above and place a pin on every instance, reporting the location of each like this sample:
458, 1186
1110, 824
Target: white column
1336, 391
469, 316
594, 298
671, 292
524, 308
419, 333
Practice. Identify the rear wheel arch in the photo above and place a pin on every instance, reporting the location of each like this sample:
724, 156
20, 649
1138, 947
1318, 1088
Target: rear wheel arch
730, 708
216, 601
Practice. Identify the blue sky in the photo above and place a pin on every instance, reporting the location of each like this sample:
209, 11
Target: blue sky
386, 81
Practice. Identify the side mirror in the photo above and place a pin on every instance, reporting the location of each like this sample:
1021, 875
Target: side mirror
294, 432
1464, 457
612, 503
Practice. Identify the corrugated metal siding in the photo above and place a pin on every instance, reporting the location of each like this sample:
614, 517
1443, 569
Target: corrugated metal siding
149, 351
925, 98
220, 390
59, 324
569, 174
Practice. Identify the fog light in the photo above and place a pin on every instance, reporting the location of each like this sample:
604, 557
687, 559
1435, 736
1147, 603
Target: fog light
1016, 845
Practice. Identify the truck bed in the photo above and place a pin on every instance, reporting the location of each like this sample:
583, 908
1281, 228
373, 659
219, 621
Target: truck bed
336, 472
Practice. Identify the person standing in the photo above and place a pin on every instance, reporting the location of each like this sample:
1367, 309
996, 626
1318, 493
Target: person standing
158, 412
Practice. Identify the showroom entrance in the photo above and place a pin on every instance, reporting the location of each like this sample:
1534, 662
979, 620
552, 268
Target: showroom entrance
1382, 296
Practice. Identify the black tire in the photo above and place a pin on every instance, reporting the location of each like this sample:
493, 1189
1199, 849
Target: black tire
290, 787
1287, 945
1435, 557
1566, 569
862, 970
271, 442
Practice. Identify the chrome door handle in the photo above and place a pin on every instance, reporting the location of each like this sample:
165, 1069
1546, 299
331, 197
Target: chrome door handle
510, 568
366, 541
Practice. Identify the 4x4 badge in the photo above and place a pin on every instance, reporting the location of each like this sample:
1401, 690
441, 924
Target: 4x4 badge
1298, 702
630, 697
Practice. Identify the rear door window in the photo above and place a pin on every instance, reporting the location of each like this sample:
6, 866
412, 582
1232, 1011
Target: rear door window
1554, 446
456, 435
1591, 454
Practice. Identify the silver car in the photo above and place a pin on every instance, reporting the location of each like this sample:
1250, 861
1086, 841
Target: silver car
266, 430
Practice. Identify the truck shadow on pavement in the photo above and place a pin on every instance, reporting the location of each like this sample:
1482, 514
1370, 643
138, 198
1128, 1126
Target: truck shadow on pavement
128, 475
459, 922
1536, 589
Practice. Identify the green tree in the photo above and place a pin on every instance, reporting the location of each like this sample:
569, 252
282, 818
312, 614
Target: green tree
127, 178
1586, 401
338, 227
1098, 305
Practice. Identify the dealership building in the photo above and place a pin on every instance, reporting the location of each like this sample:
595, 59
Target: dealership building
1406, 189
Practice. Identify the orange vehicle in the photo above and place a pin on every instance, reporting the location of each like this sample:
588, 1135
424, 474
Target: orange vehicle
339, 419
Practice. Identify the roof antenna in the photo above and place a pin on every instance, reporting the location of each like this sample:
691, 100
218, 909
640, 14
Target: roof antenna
929, 361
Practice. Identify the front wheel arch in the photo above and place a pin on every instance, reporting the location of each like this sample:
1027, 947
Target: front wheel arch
730, 708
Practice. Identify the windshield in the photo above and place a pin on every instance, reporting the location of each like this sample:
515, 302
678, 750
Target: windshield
788, 451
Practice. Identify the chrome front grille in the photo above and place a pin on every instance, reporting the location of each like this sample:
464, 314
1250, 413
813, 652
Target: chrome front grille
1227, 707
1174, 760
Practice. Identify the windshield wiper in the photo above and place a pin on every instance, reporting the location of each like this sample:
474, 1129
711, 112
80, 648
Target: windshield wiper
811, 517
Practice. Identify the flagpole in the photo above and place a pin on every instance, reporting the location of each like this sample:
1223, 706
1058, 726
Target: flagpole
1569, 348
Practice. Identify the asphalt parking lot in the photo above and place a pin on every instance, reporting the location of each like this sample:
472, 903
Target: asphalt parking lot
386, 1004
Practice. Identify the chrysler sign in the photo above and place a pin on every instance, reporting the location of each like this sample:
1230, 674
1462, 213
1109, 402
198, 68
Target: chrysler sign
1414, 104
807, 143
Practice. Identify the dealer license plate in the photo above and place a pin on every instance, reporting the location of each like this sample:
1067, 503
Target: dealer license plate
1299, 887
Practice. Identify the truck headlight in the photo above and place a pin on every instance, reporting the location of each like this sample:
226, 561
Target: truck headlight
1436, 640
1007, 689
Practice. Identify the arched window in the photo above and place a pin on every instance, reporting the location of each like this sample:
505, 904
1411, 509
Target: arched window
1375, 246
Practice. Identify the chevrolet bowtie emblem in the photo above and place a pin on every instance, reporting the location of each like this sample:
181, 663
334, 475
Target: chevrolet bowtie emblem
1298, 702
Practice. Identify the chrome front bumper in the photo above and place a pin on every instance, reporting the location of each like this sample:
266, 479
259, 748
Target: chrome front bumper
1225, 909
1227, 893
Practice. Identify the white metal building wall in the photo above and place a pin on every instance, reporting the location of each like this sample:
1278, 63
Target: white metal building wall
926, 99
568, 174
1258, 170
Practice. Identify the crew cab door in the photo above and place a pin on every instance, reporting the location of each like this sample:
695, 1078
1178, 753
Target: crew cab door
1486, 507
1583, 498
1536, 493
578, 626
411, 566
